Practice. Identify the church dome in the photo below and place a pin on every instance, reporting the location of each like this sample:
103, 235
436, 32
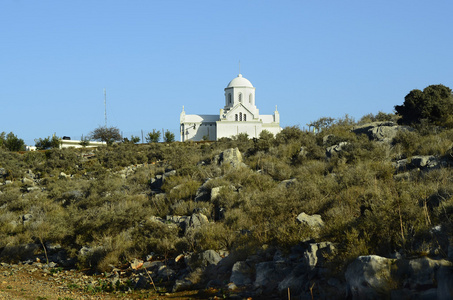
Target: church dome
240, 82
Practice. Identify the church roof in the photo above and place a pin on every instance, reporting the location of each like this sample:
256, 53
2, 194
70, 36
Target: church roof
201, 118
240, 82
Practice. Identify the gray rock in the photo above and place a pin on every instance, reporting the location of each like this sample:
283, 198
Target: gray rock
203, 192
210, 257
182, 285
230, 156
381, 131
295, 280
426, 161
165, 273
417, 162
158, 180
3, 173
369, 277
330, 151
315, 253
287, 183
202, 260
64, 175
242, 273
26, 218
215, 191
269, 275
445, 283
27, 181
420, 272
33, 188
195, 221
313, 221
169, 173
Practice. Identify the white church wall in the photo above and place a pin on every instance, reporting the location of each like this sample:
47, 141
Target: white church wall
273, 128
229, 129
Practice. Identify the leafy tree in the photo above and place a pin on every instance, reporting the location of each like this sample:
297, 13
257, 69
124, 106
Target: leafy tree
106, 134
321, 123
133, 140
153, 137
169, 136
11, 142
289, 133
434, 104
2, 139
47, 143
265, 141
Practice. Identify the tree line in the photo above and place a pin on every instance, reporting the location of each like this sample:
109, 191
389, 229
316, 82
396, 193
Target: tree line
433, 105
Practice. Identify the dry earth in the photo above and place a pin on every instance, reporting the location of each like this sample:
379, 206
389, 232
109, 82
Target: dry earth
24, 281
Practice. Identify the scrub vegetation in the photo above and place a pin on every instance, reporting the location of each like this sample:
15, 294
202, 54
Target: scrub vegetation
80, 197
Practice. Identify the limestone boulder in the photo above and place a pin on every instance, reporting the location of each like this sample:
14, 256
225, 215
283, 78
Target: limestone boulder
420, 273
315, 254
203, 192
202, 260
332, 150
232, 157
381, 131
313, 221
242, 273
195, 222
215, 191
369, 277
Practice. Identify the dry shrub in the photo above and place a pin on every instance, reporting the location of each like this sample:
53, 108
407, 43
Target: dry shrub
180, 187
212, 236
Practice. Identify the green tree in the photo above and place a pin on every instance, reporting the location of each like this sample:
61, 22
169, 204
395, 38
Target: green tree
11, 142
133, 140
321, 123
169, 136
153, 137
47, 143
106, 134
434, 104
2, 139
265, 141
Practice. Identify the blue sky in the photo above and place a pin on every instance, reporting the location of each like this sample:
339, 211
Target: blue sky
311, 58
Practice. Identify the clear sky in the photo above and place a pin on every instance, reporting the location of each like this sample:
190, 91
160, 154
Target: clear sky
311, 58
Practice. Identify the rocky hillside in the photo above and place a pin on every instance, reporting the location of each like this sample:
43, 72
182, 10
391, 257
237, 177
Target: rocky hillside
355, 210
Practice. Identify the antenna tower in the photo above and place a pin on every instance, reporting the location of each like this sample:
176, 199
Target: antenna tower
105, 107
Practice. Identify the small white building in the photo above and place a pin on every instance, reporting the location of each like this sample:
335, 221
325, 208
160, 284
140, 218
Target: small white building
64, 143
239, 115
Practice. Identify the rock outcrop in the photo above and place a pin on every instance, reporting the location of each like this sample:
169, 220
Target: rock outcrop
381, 131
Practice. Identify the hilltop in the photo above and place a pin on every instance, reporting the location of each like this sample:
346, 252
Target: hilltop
290, 213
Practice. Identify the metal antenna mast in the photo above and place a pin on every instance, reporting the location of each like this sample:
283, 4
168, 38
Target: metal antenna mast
105, 107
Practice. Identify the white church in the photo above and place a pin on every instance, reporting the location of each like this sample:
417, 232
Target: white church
239, 115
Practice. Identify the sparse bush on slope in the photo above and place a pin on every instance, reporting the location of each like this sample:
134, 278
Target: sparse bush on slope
108, 202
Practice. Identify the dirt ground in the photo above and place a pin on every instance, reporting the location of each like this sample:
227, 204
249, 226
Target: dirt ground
28, 282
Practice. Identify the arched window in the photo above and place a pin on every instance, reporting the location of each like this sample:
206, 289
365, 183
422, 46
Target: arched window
240, 97
245, 117
240, 116
229, 98
251, 99
236, 117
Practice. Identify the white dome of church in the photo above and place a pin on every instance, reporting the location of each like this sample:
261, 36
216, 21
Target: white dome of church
240, 82
239, 115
